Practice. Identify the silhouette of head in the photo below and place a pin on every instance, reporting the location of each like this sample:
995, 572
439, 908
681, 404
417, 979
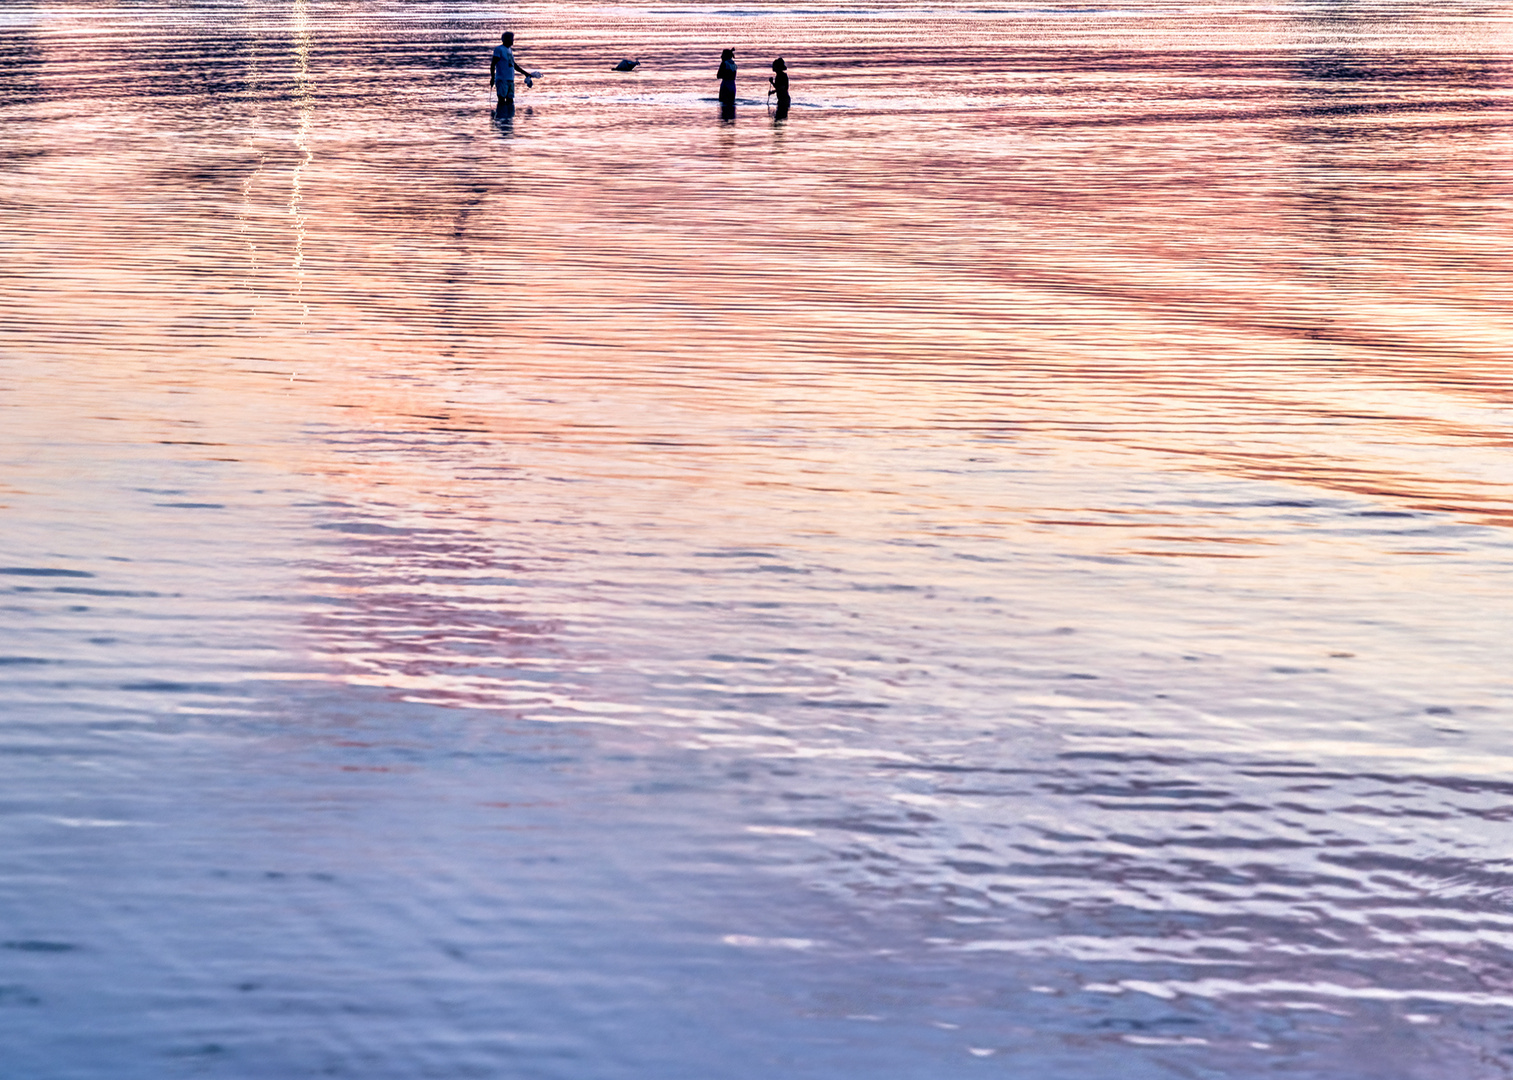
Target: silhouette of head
507, 38
779, 65
728, 54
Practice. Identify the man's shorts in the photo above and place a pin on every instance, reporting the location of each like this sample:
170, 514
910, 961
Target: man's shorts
506, 90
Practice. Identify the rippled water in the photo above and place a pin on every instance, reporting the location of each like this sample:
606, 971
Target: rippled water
1004, 572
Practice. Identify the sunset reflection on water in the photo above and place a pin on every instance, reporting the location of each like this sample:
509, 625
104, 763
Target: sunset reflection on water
1007, 564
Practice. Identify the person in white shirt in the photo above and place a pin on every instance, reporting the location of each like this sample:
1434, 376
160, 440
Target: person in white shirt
502, 68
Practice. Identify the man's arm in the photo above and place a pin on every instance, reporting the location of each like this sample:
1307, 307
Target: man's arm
520, 69
494, 68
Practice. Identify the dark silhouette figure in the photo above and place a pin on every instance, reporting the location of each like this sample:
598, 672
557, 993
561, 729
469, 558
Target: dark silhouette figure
626, 65
726, 75
502, 68
779, 83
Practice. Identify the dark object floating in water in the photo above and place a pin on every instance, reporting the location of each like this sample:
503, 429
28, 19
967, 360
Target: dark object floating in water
627, 65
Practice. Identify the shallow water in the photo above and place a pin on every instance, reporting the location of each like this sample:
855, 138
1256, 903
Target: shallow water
1003, 572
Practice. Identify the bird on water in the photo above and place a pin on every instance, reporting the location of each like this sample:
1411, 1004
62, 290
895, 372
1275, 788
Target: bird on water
627, 65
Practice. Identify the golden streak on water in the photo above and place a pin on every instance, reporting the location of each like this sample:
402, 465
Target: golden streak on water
306, 104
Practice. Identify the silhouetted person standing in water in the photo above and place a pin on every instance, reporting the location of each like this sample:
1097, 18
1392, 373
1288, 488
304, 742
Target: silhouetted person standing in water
502, 68
779, 83
726, 75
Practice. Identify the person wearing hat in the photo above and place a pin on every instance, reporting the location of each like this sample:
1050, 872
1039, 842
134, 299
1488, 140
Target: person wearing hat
779, 83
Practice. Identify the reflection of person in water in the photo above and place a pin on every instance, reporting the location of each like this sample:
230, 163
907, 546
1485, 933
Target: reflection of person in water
726, 75
779, 83
502, 68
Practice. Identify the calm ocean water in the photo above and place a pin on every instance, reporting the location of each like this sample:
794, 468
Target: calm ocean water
1004, 572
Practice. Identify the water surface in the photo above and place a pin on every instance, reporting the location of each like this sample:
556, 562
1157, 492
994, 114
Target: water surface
1003, 572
